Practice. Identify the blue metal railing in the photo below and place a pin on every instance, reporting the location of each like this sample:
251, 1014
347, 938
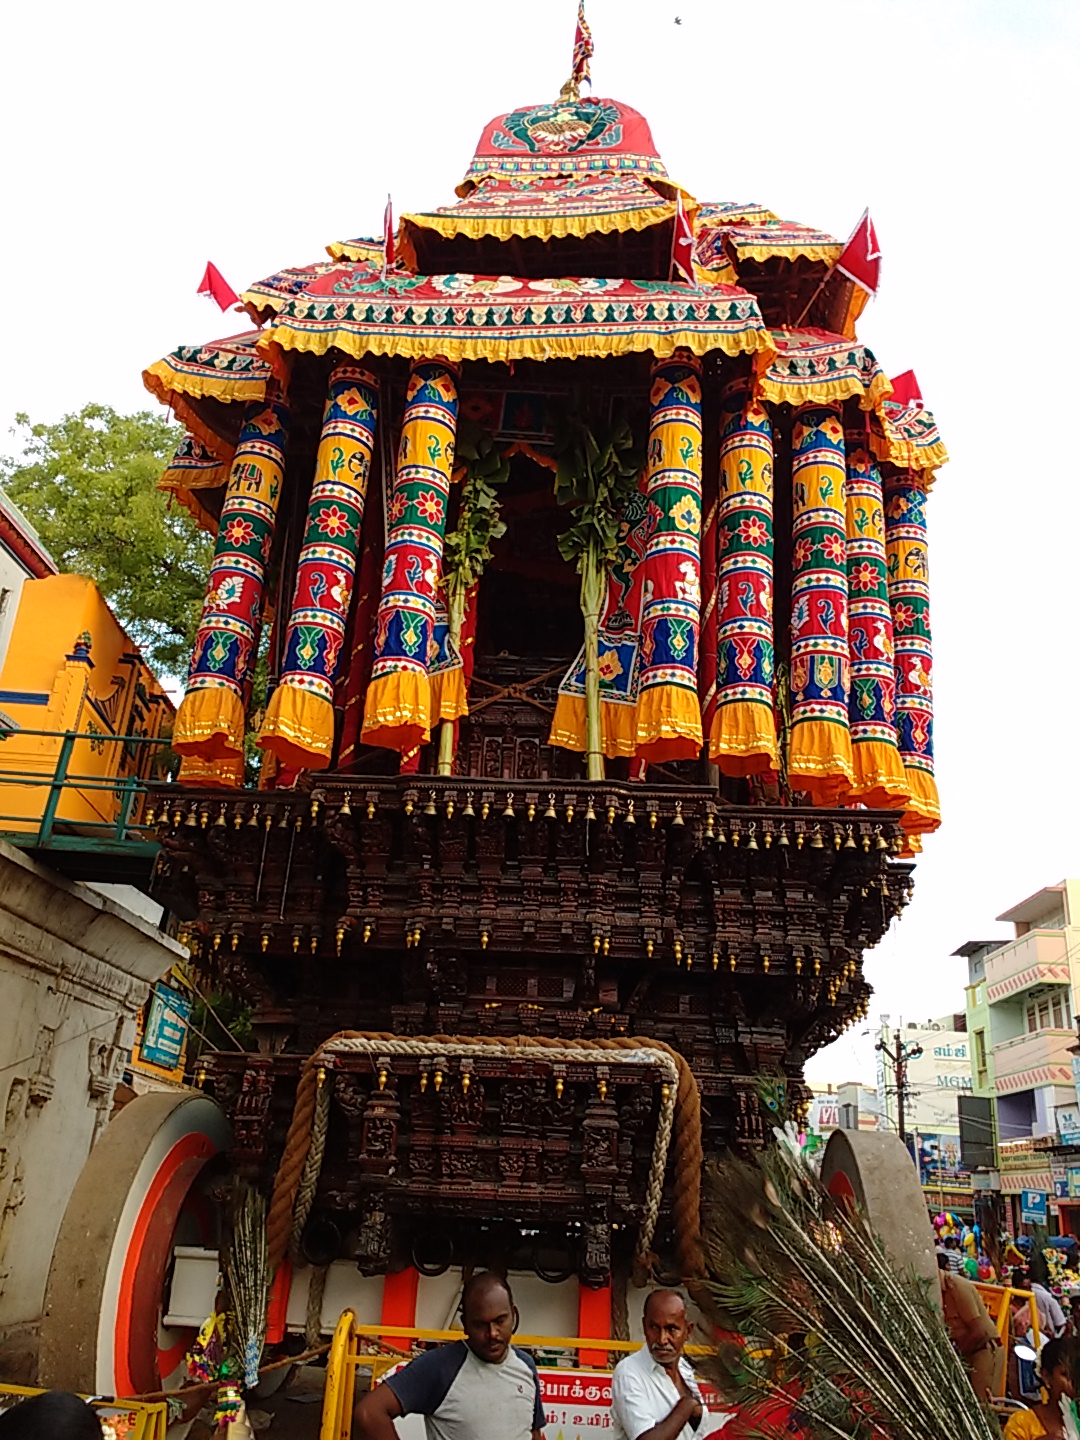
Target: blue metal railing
122, 797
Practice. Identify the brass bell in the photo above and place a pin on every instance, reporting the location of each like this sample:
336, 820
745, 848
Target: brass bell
508, 813
880, 843
429, 808
816, 842
630, 813
849, 843
283, 823
191, 822
549, 813
468, 812
752, 844
346, 808
219, 823
678, 820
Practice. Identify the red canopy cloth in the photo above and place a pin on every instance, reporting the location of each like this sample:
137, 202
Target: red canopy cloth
194, 379
569, 137
474, 317
907, 436
264, 298
546, 208
815, 367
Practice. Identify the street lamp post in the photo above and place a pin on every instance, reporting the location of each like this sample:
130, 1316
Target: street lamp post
899, 1056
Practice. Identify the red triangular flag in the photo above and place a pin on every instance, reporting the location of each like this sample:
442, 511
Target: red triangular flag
860, 259
905, 389
214, 285
682, 244
389, 247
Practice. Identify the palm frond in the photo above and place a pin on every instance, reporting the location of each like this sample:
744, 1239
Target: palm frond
830, 1326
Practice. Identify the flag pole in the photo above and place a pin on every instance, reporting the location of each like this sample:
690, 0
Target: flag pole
806, 308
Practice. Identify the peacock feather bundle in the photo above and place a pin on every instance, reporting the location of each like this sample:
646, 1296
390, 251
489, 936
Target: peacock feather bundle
247, 1279
830, 1336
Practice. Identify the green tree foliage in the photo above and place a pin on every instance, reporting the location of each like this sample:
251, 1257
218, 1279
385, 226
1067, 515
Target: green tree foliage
88, 485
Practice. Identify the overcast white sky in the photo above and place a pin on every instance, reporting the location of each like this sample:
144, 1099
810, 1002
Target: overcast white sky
140, 140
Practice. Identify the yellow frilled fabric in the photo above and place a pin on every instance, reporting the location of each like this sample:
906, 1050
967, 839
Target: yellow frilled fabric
210, 725
300, 725
398, 714
448, 700
618, 726
212, 774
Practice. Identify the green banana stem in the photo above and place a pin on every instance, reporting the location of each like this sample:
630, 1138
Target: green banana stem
592, 599
456, 594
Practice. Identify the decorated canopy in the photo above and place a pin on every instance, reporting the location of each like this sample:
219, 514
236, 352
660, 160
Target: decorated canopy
762, 603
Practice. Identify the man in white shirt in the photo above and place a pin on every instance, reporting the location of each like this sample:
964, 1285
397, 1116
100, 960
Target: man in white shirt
654, 1395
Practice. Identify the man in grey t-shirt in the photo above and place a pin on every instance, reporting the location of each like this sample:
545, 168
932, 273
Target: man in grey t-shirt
472, 1389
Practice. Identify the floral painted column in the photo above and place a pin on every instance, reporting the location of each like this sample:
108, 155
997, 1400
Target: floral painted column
742, 737
879, 779
210, 721
909, 595
668, 711
819, 757
299, 723
397, 708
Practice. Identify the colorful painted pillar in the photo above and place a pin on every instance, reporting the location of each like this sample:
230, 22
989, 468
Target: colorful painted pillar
299, 723
742, 737
668, 710
879, 778
819, 757
397, 708
908, 569
210, 721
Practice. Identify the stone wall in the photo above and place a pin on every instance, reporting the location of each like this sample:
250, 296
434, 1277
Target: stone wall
75, 968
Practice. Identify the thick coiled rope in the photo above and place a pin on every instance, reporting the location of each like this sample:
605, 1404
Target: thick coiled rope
309, 1179
680, 1117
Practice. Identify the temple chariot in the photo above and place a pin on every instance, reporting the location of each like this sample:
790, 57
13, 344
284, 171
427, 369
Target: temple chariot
558, 732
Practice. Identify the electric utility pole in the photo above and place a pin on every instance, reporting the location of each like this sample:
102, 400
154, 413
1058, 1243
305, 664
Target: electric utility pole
899, 1056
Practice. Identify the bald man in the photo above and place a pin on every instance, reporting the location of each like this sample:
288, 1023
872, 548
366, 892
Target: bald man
654, 1395
478, 1388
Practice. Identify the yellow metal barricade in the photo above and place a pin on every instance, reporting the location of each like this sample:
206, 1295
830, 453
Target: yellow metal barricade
998, 1301
128, 1419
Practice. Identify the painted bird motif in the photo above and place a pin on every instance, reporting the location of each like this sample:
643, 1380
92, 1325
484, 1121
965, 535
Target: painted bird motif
414, 570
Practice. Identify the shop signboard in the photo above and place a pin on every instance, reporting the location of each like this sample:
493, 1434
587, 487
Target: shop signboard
165, 1033
1068, 1123
1033, 1207
939, 1160
1076, 1076
1072, 1182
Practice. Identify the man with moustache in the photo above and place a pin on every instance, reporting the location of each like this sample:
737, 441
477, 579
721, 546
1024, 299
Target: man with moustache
654, 1395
